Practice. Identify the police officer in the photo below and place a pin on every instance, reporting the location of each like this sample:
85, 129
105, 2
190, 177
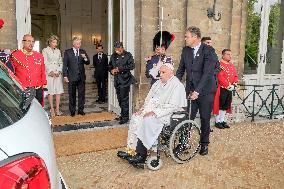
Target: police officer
29, 67
120, 65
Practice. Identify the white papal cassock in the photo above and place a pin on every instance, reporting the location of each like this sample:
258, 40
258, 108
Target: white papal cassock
163, 99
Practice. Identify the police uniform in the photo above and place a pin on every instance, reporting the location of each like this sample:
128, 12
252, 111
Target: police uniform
30, 70
122, 80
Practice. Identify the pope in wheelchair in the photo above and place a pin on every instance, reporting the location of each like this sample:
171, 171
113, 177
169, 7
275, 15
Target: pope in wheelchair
166, 96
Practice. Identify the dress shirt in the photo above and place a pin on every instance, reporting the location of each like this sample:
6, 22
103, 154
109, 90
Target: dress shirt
195, 49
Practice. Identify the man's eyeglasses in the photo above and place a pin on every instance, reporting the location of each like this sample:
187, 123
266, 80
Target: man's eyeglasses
28, 41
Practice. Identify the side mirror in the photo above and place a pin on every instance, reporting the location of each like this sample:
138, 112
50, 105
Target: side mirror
28, 95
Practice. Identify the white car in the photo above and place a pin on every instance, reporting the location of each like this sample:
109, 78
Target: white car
27, 156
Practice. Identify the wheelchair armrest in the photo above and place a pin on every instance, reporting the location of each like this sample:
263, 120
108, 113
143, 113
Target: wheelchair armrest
181, 112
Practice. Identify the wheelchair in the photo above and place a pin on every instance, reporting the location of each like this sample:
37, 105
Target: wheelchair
179, 140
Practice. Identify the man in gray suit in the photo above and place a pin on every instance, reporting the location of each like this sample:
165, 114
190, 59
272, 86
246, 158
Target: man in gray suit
74, 74
199, 61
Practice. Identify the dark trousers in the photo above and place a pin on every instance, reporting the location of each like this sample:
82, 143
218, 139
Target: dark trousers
72, 86
204, 104
39, 95
123, 100
101, 84
141, 149
225, 99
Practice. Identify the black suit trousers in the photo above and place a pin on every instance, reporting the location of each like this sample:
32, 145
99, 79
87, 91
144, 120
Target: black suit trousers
101, 84
72, 86
204, 104
122, 93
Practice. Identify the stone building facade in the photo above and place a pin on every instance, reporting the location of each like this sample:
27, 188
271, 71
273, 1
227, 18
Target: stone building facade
89, 19
229, 32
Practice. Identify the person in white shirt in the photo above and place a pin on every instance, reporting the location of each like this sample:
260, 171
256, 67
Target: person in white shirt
166, 96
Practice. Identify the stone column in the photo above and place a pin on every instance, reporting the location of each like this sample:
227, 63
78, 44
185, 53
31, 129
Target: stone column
8, 34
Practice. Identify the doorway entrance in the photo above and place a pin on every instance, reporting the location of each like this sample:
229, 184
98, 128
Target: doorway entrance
94, 21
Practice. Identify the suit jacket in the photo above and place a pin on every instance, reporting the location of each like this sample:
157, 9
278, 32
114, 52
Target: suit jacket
125, 63
200, 76
72, 69
101, 65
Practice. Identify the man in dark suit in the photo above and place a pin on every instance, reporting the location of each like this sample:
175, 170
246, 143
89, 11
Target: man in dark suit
100, 62
74, 74
199, 60
120, 64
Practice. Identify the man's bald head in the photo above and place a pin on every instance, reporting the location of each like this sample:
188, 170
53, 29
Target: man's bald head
28, 42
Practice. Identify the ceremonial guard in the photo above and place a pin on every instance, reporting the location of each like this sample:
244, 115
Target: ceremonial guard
227, 80
29, 67
159, 47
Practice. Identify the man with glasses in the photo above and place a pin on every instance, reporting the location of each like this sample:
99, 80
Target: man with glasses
29, 67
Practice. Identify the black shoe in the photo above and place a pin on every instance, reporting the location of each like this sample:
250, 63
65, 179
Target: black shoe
81, 113
99, 100
137, 159
219, 125
123, 121
123, 155
225, 125
203, 150
211, 130
72, 114
118, 118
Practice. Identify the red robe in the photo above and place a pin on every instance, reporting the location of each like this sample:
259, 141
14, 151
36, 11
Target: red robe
226, 77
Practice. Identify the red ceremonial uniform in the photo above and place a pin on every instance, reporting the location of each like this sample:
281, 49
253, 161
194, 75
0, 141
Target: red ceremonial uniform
226, 77
29, 68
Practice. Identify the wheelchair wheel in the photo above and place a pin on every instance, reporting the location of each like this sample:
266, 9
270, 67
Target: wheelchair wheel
153, 163
184, 141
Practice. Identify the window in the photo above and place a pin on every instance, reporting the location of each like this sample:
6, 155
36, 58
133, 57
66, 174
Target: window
11, 101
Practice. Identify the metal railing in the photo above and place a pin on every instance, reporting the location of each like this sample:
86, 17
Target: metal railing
261, 100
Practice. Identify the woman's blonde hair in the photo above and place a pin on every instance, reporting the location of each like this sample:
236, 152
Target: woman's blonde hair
51, 38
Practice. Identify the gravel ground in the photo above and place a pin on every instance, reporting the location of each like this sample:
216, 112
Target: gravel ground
248, 155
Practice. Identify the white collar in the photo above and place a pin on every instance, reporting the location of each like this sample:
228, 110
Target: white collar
197, 46
75, 50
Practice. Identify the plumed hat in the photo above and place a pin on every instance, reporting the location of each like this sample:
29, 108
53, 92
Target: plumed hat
167, 38
1, 23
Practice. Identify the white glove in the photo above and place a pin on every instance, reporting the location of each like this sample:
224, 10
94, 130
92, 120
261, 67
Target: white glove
154, 72
231, 88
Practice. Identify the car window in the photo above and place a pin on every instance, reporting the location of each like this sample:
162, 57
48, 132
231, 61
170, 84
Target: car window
11, 99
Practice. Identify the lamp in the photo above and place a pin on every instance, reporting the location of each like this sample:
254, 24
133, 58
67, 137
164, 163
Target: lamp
211, 13
97, 40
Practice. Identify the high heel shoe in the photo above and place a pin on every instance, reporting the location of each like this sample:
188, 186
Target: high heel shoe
52, 113
58, 113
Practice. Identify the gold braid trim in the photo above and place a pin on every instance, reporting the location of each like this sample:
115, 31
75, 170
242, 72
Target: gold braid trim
227, 71
18, 61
